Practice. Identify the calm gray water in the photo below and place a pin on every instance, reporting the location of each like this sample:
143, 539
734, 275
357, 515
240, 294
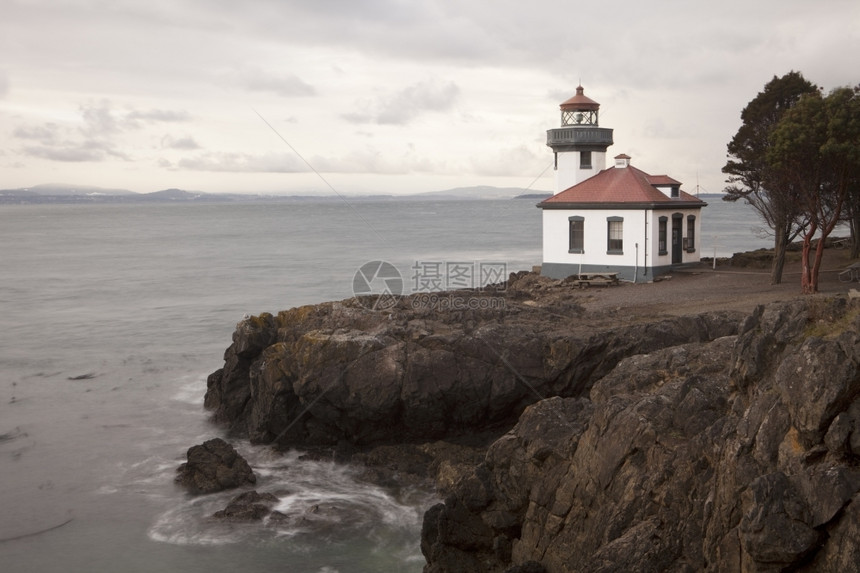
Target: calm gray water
139, 303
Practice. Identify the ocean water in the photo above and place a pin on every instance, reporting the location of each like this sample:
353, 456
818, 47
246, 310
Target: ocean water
113, 316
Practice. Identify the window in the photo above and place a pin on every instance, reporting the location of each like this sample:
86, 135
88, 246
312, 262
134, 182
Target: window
691, 233
661, 236
577, 234
585, 160
615, 236
676, 191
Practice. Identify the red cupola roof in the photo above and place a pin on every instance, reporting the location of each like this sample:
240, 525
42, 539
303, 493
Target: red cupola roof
580, 102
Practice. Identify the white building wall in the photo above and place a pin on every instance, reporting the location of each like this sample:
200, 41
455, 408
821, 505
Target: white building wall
641, 240
655, 259
569, 172
556, 237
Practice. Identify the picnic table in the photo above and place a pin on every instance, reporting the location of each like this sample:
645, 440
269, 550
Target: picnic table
851, 274
584, 280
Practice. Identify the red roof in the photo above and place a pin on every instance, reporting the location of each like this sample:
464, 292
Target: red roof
662, 180
580, 102
619, 185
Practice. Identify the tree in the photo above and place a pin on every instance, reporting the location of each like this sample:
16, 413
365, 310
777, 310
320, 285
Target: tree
852, 215
815, 152
747, 166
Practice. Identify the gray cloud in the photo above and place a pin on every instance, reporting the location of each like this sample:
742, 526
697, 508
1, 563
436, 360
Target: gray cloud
357, 161
99, 119
514, 162
65, 154
46, 133
287, 85
158, 115
406, 105
243, 163
661, 72
71, 152
389, 29
98, 136
187, 142
102, 120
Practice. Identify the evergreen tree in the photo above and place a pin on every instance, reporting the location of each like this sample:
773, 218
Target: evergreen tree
815, 152
748, 167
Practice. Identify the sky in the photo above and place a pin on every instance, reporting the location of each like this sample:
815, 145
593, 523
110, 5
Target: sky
388, 96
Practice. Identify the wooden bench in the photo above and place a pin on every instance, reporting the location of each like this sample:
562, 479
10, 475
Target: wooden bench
596, 279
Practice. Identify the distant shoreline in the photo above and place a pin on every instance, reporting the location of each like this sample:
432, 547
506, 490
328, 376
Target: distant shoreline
74, 195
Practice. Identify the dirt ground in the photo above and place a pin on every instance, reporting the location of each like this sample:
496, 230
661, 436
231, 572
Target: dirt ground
703, 288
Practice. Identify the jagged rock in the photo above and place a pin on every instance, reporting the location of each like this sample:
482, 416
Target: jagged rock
776, 531
214, 466
842, 550
248, 506
703, 443
229, 387
843, 436
820, 380
527, 567
338, 372
700, 457
763, 336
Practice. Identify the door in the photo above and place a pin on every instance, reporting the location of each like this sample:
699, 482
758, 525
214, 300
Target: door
676, 240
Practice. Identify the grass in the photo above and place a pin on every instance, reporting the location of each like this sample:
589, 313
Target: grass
824, 324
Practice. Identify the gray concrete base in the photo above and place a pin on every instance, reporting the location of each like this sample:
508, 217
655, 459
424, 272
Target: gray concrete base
625, 273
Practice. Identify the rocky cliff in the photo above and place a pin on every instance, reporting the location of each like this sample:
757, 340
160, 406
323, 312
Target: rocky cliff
717, 442
736, 455
339, 373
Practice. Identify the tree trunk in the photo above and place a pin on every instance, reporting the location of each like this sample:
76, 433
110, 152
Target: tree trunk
807, 285
855, 230
816, 264
780, 243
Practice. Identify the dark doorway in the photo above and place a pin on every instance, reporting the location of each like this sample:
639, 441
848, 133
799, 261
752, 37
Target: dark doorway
677, 221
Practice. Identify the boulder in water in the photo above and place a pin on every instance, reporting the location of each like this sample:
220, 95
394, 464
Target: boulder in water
248, 506
214, 466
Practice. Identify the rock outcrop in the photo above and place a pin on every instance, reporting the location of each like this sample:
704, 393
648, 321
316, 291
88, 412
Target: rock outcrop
214, 466
563, 441
735, 455
338, 373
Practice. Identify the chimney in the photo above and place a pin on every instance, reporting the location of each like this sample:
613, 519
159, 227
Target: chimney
622, 160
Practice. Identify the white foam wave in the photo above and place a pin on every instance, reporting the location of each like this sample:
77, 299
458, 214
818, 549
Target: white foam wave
315, 500
192, 389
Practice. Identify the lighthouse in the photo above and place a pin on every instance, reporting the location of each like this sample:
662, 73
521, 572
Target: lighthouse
611, 223
579, 145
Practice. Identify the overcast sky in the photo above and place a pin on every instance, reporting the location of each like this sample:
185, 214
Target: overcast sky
390, 96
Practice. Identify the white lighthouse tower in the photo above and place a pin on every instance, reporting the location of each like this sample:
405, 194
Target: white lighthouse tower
579, 145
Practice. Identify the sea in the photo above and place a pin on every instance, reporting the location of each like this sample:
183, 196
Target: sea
113, 315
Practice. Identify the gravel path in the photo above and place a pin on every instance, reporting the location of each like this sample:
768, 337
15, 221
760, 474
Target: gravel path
702, 289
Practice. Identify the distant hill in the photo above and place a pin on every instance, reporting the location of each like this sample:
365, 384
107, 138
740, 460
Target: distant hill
477, 192
172, 195
538, 196
64, 189
64, 193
